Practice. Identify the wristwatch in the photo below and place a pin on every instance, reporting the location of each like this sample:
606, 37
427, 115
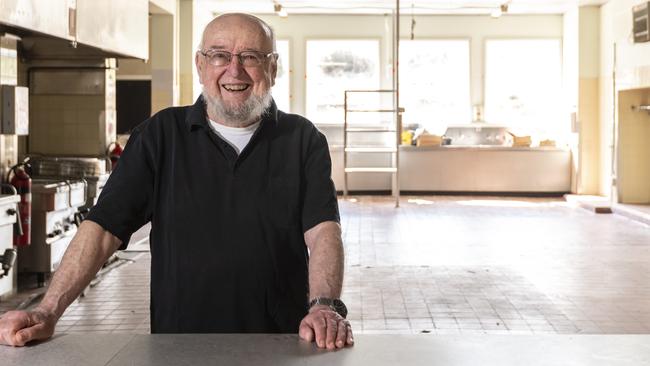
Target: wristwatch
335, 304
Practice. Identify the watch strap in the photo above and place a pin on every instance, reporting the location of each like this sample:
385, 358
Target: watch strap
335, 304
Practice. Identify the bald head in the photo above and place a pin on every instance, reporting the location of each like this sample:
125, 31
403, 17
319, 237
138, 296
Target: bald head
237, 19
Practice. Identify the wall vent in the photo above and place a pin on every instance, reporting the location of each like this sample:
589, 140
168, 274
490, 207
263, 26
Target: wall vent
641, 22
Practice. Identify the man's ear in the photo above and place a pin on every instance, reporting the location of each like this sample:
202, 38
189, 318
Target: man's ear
274, 71
199, 66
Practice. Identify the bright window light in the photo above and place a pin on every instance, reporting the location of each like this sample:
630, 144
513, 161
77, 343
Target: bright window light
281, 90
523, 87
434, 83
334, 66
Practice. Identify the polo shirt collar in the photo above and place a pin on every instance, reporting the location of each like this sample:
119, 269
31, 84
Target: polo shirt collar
198, 118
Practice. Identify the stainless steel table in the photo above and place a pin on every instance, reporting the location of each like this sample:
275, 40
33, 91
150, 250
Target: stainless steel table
375, 350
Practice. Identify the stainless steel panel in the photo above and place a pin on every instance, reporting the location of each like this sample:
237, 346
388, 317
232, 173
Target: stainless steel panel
375, 350
68, 167
45, 16
15, 110
78, 193
120, 26
51, 235
8, 61
58, 247
8, 202
7, 220
478, 134
68, 82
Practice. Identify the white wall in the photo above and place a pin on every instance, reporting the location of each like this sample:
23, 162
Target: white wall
632, 71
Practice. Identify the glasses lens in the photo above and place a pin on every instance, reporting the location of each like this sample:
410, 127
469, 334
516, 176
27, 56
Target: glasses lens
219, 58
250, 58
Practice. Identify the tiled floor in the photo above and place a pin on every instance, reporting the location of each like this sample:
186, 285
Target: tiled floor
453, 265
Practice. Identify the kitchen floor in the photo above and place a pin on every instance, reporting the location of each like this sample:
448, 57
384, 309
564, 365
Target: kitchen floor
450, 265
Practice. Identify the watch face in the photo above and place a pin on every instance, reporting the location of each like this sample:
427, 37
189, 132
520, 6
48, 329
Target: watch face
340, 308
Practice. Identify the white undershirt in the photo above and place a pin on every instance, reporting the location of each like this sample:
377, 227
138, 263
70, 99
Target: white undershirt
237, 137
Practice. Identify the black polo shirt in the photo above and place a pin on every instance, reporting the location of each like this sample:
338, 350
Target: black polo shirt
227, 245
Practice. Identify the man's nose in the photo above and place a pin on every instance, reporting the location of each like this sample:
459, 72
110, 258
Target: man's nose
235, 67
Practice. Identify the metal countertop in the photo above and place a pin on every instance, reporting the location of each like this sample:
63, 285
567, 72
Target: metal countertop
375, 350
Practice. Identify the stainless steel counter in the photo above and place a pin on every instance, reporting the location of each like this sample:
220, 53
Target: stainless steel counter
464, 169
375, 350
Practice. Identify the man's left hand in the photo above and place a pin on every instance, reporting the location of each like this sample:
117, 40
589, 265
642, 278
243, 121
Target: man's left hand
325, 326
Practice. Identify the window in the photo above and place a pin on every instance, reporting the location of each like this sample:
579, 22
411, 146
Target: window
281, 89
523, 87
434, 83
334, 66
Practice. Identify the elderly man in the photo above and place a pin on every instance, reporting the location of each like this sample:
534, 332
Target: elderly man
245, 234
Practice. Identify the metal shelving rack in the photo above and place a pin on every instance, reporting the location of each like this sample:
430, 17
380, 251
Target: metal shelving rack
393, 148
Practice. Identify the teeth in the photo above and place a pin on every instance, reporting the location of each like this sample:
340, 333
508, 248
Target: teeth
235, 87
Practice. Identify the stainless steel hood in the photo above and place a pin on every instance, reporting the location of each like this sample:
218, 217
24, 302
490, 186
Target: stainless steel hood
79, 28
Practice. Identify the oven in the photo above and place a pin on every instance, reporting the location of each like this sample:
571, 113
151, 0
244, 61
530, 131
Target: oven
55, 218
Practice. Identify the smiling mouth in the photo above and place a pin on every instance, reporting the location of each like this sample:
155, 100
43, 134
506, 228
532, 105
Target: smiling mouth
235, 87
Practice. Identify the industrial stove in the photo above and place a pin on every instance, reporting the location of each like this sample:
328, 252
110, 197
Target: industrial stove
8, 218
55, 218
92, 170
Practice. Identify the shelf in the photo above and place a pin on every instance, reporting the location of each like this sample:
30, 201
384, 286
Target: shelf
370, 130
371, 110
377, 126
370, 170
371, 149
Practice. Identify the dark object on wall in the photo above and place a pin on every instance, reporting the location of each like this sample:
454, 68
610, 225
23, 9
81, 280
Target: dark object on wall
641, 22
133, 98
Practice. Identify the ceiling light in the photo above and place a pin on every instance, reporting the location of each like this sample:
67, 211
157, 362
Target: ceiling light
279, 10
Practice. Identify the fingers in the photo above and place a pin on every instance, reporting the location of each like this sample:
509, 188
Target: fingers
35, 332
305, 331
10, 323
320, 329
341, 334
350, 337
327, 328
331, 331
19, 327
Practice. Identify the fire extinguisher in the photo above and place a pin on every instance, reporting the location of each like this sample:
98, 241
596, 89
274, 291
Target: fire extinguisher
23, 184
114, 154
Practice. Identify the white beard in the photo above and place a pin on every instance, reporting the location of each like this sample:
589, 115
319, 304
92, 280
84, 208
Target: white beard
242, 115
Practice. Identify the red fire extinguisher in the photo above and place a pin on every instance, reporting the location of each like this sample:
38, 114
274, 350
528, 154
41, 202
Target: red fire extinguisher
23, 184
114, 154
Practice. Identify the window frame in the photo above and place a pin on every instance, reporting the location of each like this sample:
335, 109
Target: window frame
380, 68
289, 70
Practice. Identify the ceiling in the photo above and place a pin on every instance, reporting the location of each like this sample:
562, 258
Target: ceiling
406, 6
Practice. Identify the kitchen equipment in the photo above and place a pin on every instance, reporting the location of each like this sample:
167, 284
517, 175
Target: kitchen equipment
8, 218
64, 166
477, 134
55, 218
92, 170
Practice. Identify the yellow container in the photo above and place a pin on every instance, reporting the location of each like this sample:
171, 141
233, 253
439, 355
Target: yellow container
407, 137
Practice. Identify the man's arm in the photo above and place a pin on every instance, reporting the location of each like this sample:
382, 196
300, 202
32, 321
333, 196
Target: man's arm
326, 262
87, 252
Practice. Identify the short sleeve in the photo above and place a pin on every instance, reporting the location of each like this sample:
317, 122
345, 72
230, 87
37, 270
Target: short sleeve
125, 203
319, 204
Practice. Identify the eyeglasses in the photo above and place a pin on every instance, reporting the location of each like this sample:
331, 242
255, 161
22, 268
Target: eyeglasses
246, 58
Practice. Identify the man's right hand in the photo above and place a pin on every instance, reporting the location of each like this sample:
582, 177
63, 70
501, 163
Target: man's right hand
19, 327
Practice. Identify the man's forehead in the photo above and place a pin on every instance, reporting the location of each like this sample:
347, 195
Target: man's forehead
225, 43
223, 34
